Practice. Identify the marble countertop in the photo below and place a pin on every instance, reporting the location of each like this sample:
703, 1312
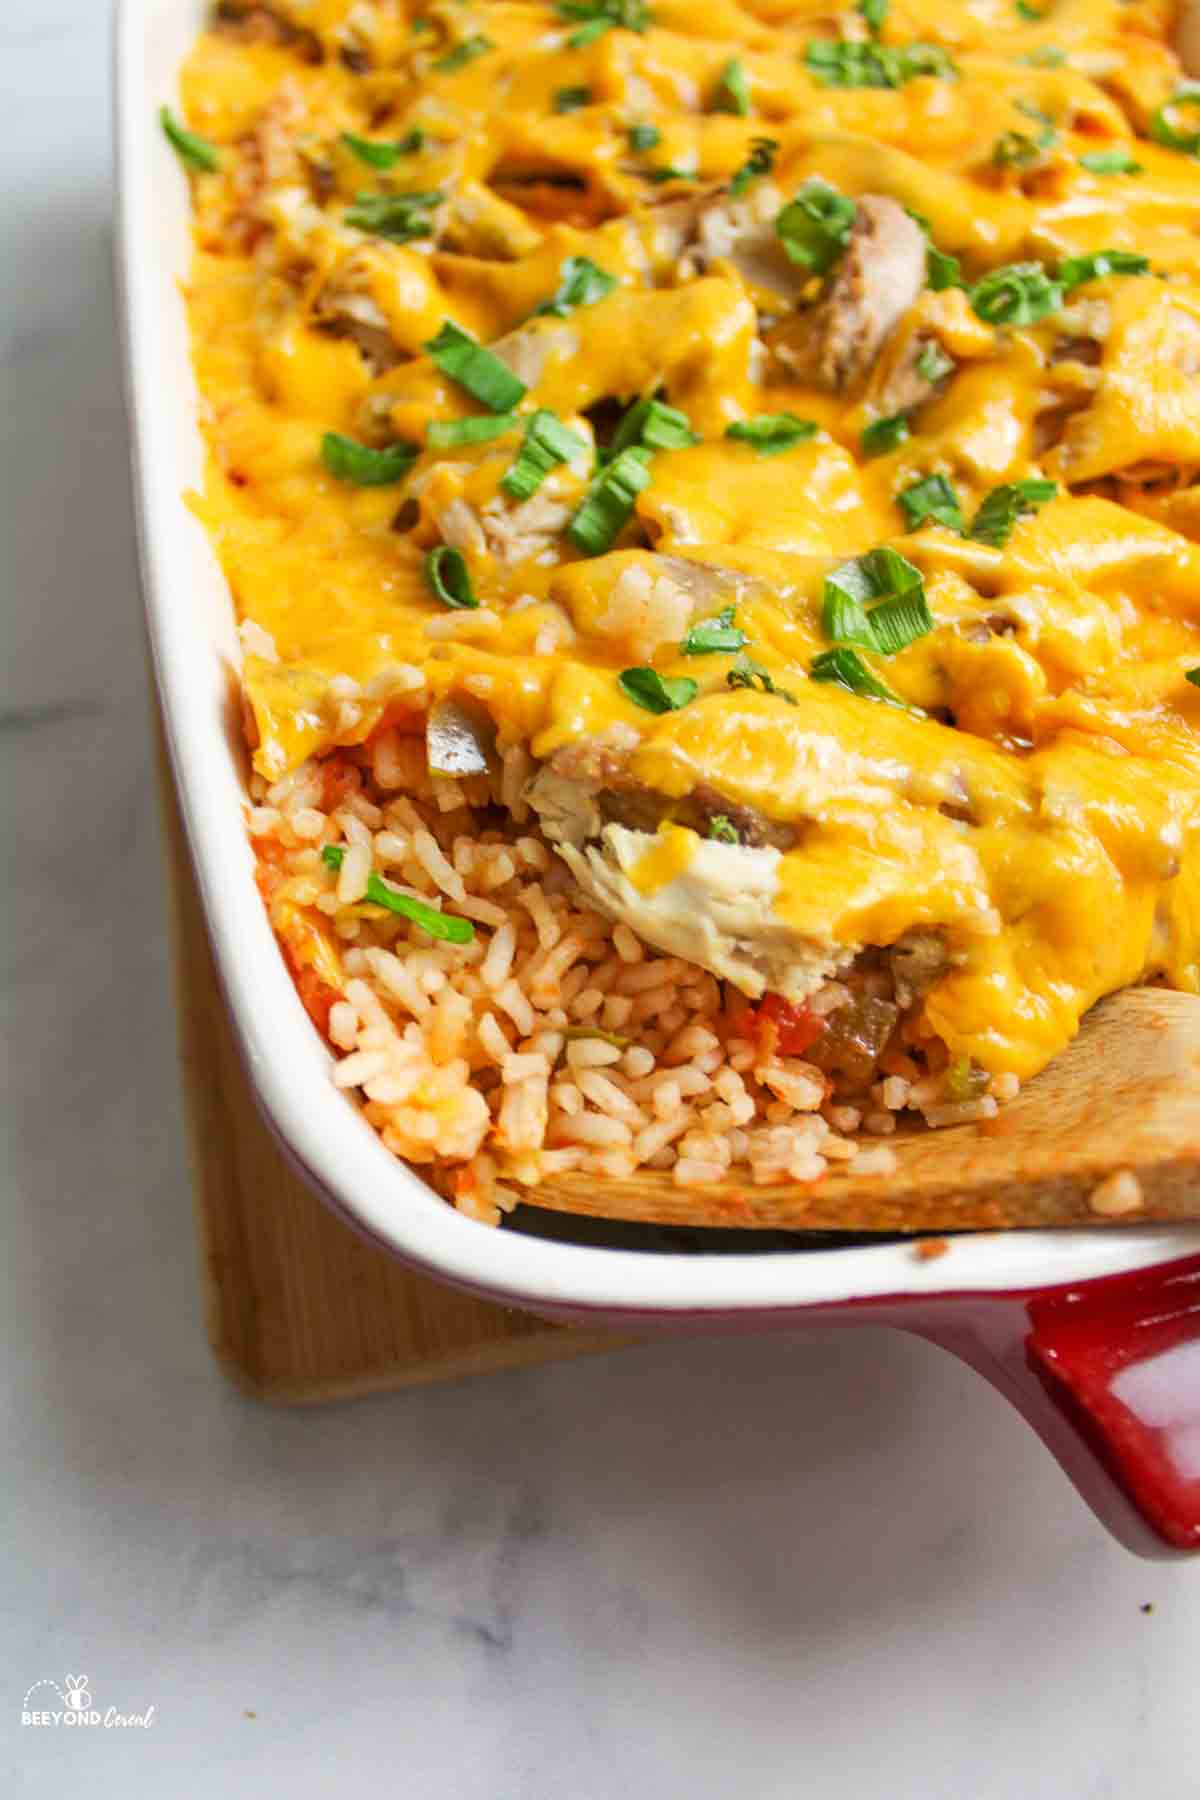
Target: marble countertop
829, 1564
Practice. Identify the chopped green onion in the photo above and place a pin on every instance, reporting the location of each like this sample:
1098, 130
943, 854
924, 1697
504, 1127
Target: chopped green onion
657, 693
483, 375
447, 574
876, 601
722, 830
761, 160
1017, 150
773, 433
942, 270
733, 90
746, 673
190, 148
1002, 508
815, 227
570, 99
1019, 294
644, 137
609, 501
464, 53
845, 64
546, 443
1030, 12
711, 637
438, 924
1111, 162
670, 173
846, 669
358, 464
1078, 269
384, 155
883, 435
873, 14
397, 217
599, 16
448, 434
581, 283
654, 424
1164, 130
1192, 675
931, 498
933, 364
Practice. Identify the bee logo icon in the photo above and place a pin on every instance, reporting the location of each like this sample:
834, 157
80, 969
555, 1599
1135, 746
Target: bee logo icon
78, 1696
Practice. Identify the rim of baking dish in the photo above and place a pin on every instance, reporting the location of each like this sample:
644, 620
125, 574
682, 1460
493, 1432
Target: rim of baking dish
288, 1065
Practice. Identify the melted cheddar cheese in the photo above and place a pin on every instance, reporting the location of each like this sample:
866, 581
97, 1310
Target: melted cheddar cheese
1032, 792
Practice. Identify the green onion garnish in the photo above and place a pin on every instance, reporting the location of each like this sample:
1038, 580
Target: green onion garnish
942, 271
609, 501
1163, 128
846, 669
383, 155
670, 173
746, 673
644, 137
190, 148
599, 16
722, 830
358, 464
398, 217
883, 435
654, 692
447, 574
1078, 269
710, 637
761, 160
438, 924
1001, 509
474, 368
1030, 12
733, 90
570, 99
773, 433
448, 434
873, 13
931, 498
876, 601
815, 227
654, 424
1111, 162
843, 64
546, 443
1192, 675
933, 364
1019, 294
464, 53
581, 282
1017, 150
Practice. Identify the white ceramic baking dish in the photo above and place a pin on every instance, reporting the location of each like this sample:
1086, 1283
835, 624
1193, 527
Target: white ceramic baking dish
993, 1299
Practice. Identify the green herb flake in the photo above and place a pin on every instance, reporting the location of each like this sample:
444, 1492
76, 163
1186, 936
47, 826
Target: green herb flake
362, 466
847, 64
447, 574
814, 228
876, 601
722, 830
644, 137
1167, 127
609, 501
733, 90
191, 149
873, 14
464, 53
474, 368
760, 162
398, 217
449, 434
1017, 150
1192, 675
571, 99
845, 668
654, 424
657, 693
746, 673
1018, 294
447, 926
1110, 162
670, 173
546, 444
599, 16
993, 523
772, 434
933, 364
942, 271
716, 636
1030, 12
1078, 269
883, 435
931, 499
581, 283
384, 154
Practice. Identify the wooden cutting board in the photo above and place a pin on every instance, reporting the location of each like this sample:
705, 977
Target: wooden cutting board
298, 1308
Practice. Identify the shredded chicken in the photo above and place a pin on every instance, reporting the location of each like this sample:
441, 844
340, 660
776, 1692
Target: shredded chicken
879, 277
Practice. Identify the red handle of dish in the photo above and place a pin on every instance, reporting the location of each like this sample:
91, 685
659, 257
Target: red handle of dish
1108, 1374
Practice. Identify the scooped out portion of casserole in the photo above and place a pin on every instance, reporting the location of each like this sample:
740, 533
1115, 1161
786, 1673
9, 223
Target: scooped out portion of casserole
712, 498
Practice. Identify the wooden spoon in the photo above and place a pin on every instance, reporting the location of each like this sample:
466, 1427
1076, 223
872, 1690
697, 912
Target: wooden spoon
1124, 1097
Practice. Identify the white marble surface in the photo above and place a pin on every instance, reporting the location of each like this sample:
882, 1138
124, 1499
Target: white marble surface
824, 1565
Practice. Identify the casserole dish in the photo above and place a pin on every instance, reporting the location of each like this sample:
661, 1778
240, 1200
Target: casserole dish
1088, 1332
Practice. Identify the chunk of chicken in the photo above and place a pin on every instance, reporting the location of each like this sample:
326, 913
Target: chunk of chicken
1187, 36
